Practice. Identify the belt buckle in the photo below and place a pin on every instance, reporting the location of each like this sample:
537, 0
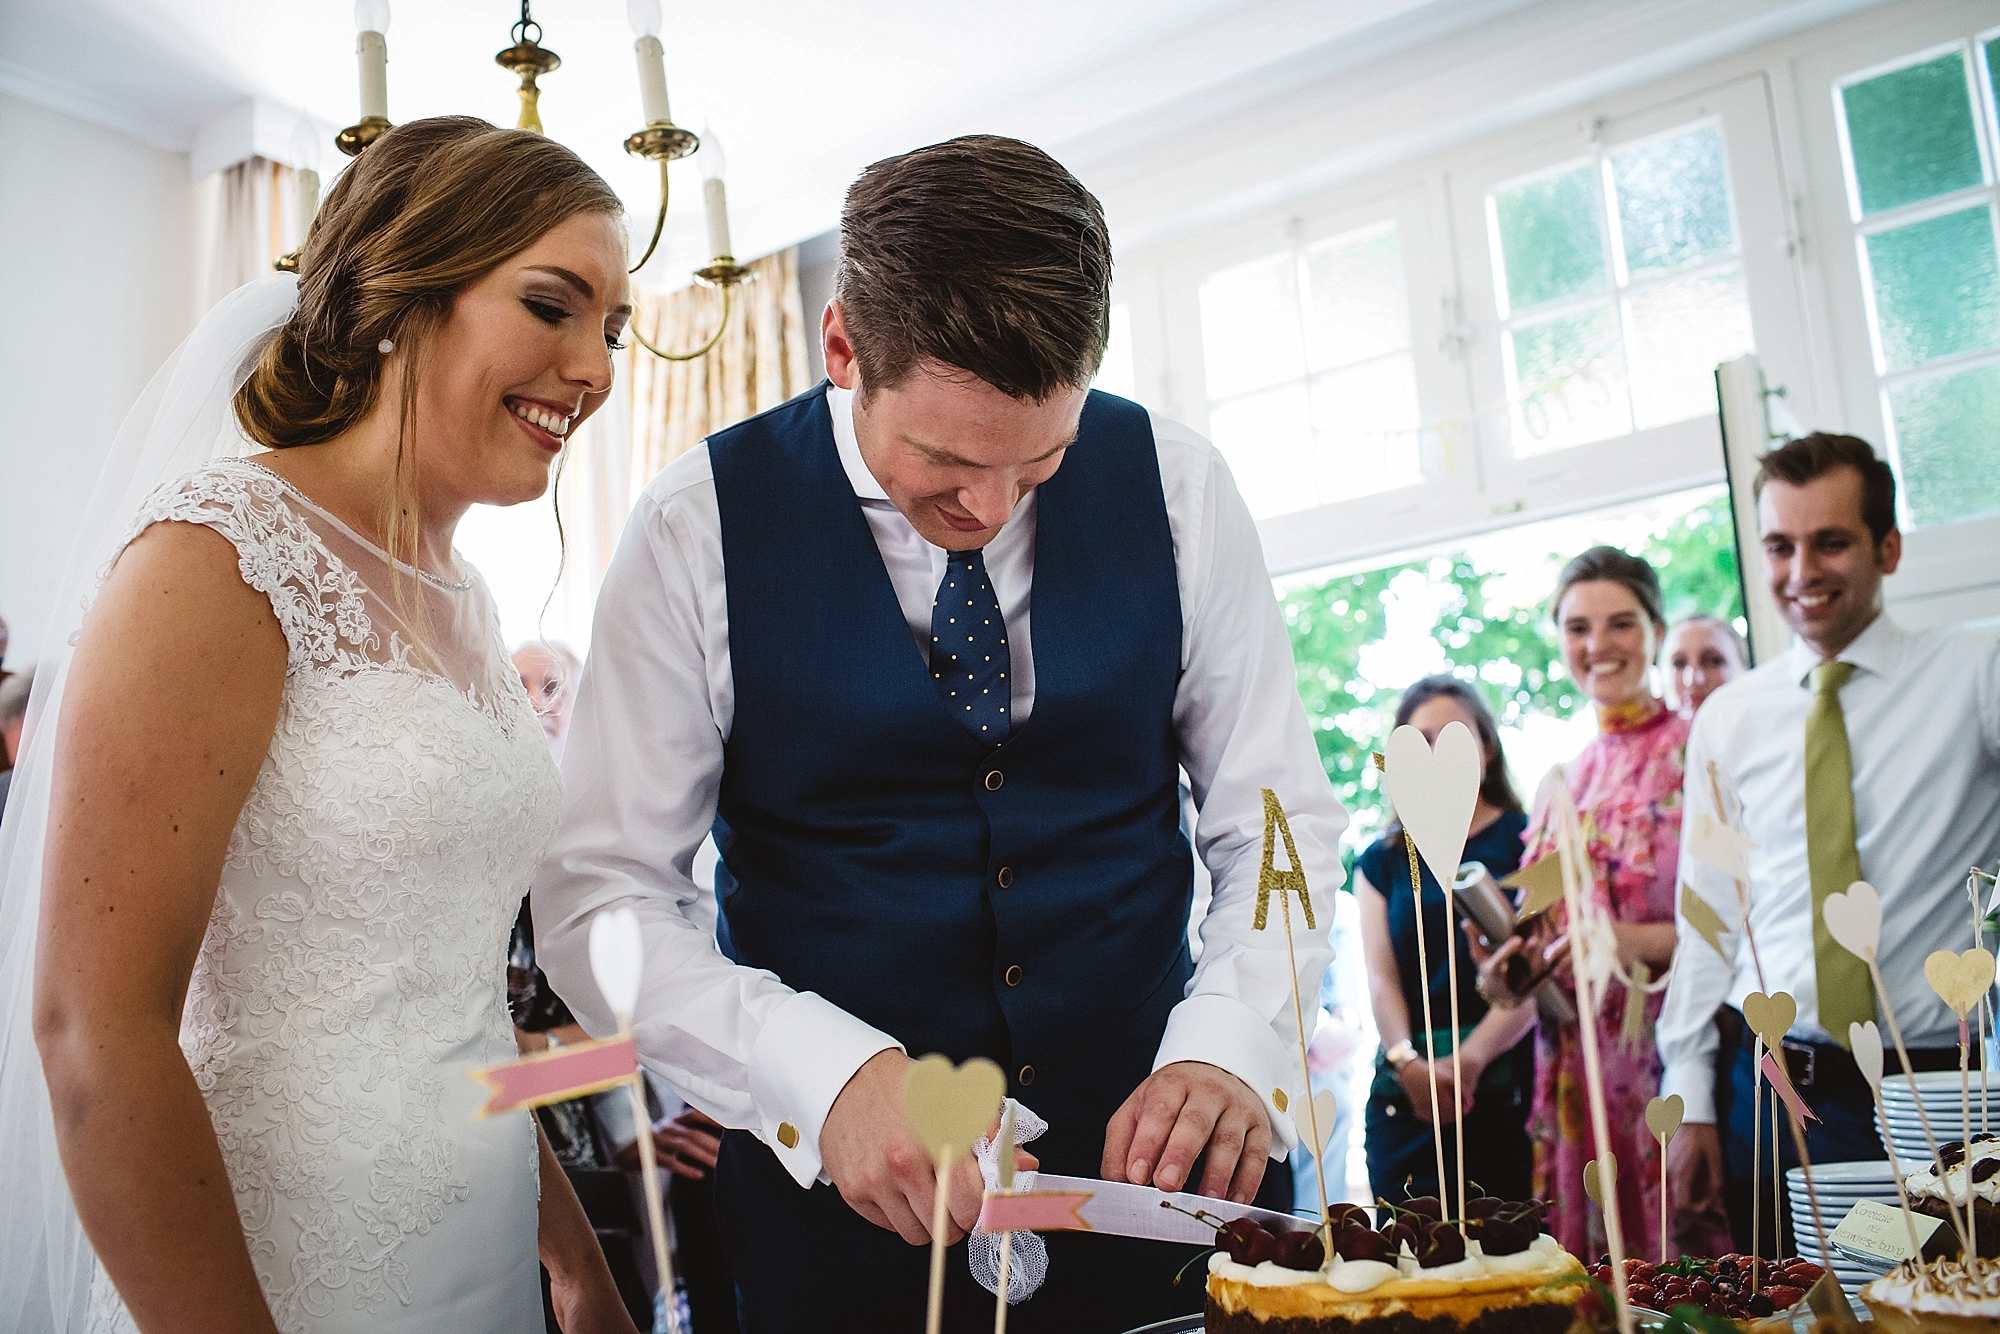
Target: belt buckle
1811, 1054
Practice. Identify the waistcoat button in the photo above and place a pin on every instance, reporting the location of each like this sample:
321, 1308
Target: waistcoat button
1026, 1077
994, 779
1014, 976
1005, 877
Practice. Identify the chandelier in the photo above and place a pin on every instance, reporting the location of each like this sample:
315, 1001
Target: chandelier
527, 59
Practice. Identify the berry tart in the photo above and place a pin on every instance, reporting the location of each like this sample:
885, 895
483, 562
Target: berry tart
1415, 1274
1719, 1287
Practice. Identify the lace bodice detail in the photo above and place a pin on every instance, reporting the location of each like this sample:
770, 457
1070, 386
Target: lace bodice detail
354, 968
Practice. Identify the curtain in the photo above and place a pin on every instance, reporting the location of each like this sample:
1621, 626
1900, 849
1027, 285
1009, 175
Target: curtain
760, 362
246, 216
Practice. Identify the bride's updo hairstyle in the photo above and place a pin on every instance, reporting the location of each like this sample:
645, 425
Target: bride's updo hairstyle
428, 208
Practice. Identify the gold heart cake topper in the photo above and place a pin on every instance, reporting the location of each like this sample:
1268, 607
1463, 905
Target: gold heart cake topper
1434, 790
1326, 1111
1854, 919
1599, 1177
1960, 979
1663, 1115
950, 1108
1771, 1017
1864, 1041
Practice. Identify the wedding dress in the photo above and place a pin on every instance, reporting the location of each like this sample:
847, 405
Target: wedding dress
354, 966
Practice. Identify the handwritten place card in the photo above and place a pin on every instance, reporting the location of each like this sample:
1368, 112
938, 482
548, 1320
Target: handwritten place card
1876, 1231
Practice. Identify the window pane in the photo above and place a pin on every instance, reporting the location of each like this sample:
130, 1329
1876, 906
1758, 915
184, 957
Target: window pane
1250, 326
1673, 202
1680, 332
1569, 382
1358, 307
1937, 287
1911, 134
1551, 238
1267, 439
1948, 443
1365, 426
1114, 373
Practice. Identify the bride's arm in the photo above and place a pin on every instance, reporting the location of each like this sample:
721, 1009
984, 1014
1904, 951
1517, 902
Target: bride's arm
580, 1286
170, 706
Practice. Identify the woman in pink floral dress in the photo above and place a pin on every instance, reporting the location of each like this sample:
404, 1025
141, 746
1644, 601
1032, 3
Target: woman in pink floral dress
1627, 788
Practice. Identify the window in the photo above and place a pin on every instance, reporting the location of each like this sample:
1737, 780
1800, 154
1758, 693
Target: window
1620, 287
1114, 373
1311, 384
1917, 143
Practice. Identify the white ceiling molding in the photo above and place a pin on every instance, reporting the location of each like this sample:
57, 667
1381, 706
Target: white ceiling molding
89, 104
259, 127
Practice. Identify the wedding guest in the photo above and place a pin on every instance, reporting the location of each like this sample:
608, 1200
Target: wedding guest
1496, 1059
548, 674
1863, 752
940, 831
1626, 788
1700, 652
269, 961
14, 688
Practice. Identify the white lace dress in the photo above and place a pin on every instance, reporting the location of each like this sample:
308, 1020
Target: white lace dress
354, 968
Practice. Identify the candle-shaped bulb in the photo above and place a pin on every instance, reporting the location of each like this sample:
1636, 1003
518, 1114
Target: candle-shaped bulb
371, 15
713, 194
645, 18
305, 162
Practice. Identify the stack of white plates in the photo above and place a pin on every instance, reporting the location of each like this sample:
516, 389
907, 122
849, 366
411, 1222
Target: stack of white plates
1939, 1092
1840, 1187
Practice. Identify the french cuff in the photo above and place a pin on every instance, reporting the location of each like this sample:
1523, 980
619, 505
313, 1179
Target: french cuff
1695, 1082
807, 1051
1226, 1033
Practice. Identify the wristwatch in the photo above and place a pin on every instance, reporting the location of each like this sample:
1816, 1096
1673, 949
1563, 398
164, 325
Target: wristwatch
1400, 1055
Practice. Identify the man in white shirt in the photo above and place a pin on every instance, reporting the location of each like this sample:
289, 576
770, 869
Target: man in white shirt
942, 843
1862, 752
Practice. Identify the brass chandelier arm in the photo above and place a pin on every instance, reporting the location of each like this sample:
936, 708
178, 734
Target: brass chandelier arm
659, 224
721, 326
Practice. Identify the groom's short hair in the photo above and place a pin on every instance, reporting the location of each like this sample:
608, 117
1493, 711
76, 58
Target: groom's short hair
981, 253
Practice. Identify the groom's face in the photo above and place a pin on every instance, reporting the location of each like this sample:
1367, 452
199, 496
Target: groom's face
953, 453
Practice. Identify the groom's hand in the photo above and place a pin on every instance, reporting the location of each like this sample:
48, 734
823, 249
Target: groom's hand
882, 1169
1180, 1110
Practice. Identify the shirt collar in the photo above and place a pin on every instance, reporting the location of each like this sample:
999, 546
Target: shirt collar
840, 405
1877, 650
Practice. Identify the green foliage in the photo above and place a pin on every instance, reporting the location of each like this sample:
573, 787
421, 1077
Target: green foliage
1510, 651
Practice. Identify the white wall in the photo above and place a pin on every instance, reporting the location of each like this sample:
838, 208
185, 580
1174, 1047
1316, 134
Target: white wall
97, 231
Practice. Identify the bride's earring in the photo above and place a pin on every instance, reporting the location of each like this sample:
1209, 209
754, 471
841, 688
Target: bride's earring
386, 346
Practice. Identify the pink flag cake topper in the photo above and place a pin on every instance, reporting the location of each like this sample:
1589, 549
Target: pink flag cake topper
558, 1076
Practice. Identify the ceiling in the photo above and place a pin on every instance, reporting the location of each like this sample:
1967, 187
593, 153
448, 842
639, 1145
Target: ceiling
804, 93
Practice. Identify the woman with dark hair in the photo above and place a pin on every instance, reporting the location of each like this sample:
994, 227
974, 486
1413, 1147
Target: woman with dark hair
1494, 1060
1626, 786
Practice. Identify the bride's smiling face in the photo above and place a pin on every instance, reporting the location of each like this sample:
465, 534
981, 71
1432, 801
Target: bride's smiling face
523, 359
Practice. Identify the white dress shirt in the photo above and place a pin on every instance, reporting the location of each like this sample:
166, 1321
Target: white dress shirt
644, 760
1923, 728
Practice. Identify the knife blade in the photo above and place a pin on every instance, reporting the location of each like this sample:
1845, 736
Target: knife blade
1051, 1202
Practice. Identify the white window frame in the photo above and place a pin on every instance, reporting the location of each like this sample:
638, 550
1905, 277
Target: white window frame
1949, 572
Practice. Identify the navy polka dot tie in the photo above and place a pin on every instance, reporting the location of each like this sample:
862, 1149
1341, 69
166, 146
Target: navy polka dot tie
969, 647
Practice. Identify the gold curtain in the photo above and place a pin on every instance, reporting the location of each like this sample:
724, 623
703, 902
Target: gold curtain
760, 362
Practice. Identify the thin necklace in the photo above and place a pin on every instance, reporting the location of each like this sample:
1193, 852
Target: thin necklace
433, 580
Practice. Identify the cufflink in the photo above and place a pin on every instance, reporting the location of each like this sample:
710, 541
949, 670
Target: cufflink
1278, 1099
788, 1134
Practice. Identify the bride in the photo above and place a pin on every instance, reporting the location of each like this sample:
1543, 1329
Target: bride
282, 805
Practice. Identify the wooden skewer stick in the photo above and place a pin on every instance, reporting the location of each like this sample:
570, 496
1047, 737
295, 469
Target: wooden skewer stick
1663, 1198
1305, 1061
1457, 1071
1430, 1035
656, 1212
1757, 1163
1923, 1118
1000, 1309
934, 1313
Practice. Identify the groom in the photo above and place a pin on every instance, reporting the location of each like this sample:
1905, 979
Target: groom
947, 825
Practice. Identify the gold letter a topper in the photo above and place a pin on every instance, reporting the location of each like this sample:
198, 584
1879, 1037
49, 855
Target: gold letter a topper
1269, 877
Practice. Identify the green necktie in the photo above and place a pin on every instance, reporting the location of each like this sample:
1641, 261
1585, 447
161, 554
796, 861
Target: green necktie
1845, 993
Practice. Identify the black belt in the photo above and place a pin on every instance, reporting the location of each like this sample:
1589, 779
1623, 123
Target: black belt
1825, 1067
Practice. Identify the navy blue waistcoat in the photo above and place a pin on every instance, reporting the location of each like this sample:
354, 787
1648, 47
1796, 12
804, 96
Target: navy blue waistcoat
876, 854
